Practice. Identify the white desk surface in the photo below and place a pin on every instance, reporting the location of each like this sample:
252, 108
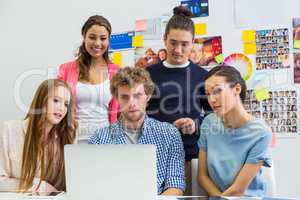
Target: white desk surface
19, 196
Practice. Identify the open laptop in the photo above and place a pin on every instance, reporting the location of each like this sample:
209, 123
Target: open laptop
104, 172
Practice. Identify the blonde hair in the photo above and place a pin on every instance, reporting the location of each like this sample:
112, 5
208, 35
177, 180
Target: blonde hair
35, 156
131, 76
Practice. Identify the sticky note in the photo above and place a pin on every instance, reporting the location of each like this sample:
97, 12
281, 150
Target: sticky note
117, 58
248, 36
137, 41
261, 94
219, 58
297, 44
250, 48
140, 25
200, 29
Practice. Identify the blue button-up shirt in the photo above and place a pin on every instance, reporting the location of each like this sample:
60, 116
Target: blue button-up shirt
169, 149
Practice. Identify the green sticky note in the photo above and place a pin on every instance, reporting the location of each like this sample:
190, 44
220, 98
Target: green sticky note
297, 44
219, 58
261, 94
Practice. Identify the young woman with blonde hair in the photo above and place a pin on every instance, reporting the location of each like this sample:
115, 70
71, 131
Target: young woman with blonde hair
32, 150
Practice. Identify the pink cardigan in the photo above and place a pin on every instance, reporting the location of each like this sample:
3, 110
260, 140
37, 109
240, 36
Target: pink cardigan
69, 72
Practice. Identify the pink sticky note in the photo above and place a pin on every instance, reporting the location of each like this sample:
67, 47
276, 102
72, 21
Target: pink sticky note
140, 25
286, 63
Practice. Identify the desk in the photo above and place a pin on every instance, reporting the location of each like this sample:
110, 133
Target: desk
18, 196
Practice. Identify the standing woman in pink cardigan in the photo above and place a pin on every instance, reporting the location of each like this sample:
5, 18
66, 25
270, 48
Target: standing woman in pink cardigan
89, 77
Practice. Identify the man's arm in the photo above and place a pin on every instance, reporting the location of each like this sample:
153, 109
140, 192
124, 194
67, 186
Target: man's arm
175, 177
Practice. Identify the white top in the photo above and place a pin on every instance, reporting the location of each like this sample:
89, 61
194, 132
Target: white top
168, 65
12, 134
92, 107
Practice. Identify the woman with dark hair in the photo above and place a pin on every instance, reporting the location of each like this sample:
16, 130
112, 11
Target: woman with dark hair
32, 150
179, 96
234, 145
89, 77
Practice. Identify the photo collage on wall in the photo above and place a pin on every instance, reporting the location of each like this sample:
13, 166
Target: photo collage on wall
272, 49
279, 111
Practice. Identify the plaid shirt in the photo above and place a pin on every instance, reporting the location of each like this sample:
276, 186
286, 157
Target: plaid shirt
169, 149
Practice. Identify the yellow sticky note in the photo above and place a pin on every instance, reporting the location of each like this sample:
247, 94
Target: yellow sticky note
250, 48
117, 58
249, 36
297, 44
261, 94
137, 41
200, 29
219, 58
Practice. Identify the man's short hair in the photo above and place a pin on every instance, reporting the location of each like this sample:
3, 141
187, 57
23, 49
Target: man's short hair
131, 76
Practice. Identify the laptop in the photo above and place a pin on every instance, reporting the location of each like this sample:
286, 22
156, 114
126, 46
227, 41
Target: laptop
104, 172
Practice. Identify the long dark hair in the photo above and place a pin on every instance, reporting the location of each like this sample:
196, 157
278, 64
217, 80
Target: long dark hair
181, 19
232, 76
84, 58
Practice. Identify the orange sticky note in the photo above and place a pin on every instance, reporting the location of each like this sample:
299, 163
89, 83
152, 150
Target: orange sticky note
248, 36
200, 29
140, 25
117, 58
261, 94
137, 41
250, 48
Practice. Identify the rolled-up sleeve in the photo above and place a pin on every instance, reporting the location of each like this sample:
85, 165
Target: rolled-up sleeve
261, 151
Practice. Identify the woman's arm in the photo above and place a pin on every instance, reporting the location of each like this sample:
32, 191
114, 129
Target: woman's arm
243, 179
257, 156
203, 177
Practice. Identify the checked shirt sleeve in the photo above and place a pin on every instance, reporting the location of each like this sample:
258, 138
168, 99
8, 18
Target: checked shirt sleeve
175, 170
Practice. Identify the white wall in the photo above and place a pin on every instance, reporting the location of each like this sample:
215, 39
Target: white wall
36, 36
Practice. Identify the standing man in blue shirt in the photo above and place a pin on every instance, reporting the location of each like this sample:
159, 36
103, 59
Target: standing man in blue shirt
179, 97
133, 88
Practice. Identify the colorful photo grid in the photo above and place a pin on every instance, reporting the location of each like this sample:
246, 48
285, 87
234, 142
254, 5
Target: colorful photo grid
272, 49
279, 111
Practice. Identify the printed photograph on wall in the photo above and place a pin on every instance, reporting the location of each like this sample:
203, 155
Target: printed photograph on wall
297, 67
296, 33
205, 50
149, 55
272, 49
279, 111
199, 8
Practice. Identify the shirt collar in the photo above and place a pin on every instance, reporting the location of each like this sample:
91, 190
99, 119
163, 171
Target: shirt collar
143, 129
168, 65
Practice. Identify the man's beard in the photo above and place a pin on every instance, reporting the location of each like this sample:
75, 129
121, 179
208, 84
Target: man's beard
135, 118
